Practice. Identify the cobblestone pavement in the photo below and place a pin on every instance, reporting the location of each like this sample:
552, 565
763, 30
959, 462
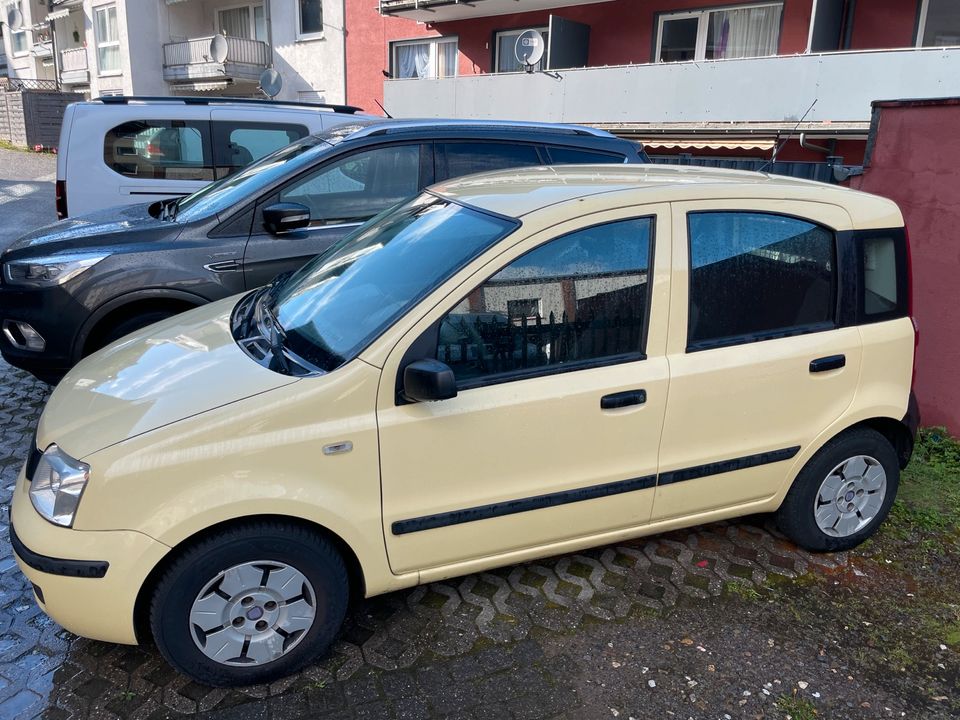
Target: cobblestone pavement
26, 192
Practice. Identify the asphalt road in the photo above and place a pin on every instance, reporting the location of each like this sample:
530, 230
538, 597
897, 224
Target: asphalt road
26, 193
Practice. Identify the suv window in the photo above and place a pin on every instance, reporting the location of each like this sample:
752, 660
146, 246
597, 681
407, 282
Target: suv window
160, 149
575, 301
237, 144
358, 186
758, 275
575, 156
455, 159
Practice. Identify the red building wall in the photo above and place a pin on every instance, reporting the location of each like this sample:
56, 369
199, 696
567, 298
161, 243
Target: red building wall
884, 24
914, 163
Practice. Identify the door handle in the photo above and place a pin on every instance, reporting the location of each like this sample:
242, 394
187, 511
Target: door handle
623, 399
831, 362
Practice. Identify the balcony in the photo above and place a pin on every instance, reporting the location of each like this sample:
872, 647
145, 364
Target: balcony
433, 11
749, 96
73, 67
189, 65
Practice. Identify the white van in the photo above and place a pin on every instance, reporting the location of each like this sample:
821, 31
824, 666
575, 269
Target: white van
121, 150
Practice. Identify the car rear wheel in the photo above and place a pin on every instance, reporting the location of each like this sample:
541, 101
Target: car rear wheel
250, 604
843, 493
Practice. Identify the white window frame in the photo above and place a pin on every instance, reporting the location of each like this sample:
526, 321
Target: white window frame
703, 25
97, 44
252, 18
19, 33
922, 26
515, 33
434, 43
314, 35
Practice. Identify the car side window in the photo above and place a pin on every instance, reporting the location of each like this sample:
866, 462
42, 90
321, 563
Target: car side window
578, 156
237, 144
160, 150
758, 275
356, 187
578, 300
455, 159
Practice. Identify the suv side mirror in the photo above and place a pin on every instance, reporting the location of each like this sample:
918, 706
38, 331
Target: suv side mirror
428, 380
284, 217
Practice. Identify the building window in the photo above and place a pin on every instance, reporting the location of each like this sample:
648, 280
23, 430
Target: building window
939, 23
737, 32
505, 56
108, 40
244, 21
18, 40
311, 17
431, 58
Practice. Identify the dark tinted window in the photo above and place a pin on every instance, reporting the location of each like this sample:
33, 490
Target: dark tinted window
579, 298
758, 273
575, 156
885, 284
466, 158
160, 149
237, 144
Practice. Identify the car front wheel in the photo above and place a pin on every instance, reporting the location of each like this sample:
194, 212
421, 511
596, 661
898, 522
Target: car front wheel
250, 604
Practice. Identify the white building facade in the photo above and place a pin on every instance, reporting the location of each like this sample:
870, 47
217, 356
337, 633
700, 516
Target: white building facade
168, 47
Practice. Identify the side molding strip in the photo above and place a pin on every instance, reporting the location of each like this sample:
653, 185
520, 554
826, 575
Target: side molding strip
538, 502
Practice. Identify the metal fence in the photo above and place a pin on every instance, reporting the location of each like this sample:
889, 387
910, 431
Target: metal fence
197, 51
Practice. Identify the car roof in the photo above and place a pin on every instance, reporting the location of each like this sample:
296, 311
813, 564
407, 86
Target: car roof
522, 191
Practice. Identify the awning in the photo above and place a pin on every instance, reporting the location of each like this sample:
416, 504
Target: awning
708, 143
57, 14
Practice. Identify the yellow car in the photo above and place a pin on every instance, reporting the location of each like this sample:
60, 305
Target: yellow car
509, 366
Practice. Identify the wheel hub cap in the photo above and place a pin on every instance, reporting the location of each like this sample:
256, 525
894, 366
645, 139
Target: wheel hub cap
850, 496
252, 613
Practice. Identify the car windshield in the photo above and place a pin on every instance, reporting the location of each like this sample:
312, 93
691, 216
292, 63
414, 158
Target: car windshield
339, 302
227, 192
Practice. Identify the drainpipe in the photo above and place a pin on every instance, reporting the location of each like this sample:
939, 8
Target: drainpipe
810, 146
268, 21
53, 46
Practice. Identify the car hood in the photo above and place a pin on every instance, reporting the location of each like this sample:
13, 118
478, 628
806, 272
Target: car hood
133, 222
170, 371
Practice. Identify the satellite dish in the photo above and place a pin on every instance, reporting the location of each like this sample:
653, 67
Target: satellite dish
271, 82
529, 48
218, 48
14, 19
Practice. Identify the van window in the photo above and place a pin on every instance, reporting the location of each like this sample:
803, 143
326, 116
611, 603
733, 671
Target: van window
237, 144
575, 301
455, 159
160, 149
758, 275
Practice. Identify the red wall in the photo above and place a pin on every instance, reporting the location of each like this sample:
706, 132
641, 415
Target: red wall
914, 163
884, 24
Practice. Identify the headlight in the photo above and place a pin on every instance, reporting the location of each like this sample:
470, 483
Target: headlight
57, 485
49, 271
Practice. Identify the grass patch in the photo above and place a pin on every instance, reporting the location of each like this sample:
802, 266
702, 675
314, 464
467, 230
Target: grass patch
741, 590
796, 708
929, 498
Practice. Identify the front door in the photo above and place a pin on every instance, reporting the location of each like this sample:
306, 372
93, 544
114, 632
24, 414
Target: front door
758, 364
558, 351
341, 195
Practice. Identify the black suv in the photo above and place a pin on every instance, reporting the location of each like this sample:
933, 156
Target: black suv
76, 286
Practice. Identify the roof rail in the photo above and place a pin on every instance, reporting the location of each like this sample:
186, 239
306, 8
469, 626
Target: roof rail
124, 99
399, 126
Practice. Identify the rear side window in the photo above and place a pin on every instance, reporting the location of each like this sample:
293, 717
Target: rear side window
576, 156
755, 276
465, 158
883, 267
160, 150
237, 144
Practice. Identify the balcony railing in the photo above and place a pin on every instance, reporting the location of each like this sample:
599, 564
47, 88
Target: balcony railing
446, 10
73, 59
192, 61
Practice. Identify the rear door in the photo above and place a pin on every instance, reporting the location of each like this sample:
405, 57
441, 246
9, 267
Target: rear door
341, 194
759, 365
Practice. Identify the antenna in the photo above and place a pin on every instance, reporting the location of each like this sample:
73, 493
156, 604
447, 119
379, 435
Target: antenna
529, 49
271, 82
219, 48
14, 19
779, 146
383, 108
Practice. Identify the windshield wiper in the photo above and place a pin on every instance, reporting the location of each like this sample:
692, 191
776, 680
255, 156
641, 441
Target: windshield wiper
273, 334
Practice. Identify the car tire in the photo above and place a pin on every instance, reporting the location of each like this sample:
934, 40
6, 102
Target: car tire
843, 493
211, 614
131, 325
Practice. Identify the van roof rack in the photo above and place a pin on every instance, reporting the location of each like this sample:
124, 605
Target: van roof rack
124, 99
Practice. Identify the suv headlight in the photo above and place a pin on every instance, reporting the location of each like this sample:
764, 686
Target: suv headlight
57, 485
49, 271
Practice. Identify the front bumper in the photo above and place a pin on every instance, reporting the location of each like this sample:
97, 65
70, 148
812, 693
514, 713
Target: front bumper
87, 581
55, 315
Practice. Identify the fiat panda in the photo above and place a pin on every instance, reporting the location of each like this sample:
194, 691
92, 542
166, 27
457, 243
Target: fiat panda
508, 366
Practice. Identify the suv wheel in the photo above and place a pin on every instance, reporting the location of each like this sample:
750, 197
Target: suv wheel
131, 325
843, 493
250, 604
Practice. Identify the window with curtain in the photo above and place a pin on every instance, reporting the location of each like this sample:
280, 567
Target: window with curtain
432, 58
108, 39
734, 32
939, 23
235, 22
311, 17
506, 56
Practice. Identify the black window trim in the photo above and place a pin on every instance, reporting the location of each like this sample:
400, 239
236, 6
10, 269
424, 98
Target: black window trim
778, 333
426, 344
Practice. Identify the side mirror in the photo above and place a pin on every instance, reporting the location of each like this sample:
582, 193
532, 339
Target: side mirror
428, 380
284, 217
